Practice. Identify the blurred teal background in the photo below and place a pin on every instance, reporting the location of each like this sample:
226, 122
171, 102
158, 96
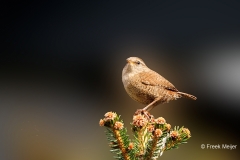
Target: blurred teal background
61, 66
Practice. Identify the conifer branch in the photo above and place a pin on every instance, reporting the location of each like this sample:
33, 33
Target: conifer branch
120, 144
153, 148
151, 136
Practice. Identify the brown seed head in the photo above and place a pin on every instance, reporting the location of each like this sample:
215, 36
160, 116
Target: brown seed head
174, 134
158, 132
139, 120
150, 128
131, 145
160, 120
185, 130
168, 126
101, 122
110, 116
118, 125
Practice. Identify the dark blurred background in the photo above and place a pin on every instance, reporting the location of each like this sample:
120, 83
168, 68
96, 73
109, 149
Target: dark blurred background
61, 66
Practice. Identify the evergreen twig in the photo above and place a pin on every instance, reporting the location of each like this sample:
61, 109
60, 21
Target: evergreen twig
151, 136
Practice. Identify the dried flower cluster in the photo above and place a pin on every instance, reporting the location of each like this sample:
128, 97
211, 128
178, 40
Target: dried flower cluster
101, 122
111, 117
187, 132
139, 120
174, 134
150, 128
131, 145
142, 119
118, 125
152, 136
160, 120
168, 126
158, 132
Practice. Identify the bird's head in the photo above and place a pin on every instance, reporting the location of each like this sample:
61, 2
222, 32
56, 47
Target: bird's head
135, 64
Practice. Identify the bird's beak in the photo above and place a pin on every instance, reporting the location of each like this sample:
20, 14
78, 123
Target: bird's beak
129, 61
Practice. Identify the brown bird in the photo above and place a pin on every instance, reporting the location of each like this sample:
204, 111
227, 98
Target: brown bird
148, 87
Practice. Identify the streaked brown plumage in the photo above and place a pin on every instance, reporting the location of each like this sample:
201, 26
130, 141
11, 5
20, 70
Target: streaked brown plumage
148, 87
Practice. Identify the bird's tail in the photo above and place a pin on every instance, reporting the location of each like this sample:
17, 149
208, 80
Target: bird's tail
186, 95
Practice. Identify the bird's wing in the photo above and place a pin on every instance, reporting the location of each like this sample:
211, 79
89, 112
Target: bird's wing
154, 79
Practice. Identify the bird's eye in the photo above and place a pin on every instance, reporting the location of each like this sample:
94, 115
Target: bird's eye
138, 62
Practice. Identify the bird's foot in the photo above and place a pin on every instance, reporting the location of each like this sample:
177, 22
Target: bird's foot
145, 113
139, 111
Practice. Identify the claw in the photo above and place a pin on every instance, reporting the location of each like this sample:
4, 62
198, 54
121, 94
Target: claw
145, 113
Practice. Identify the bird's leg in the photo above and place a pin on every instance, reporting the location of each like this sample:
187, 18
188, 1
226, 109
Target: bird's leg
145, 111
146, 114
150, 106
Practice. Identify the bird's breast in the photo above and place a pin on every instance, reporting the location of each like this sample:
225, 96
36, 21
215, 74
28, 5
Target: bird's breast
136, 90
